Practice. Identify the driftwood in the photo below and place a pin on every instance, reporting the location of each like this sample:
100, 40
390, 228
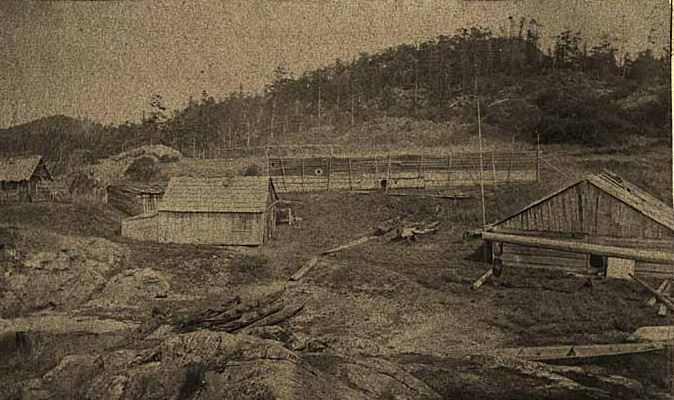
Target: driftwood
483, 279
664, 300
277, 317
355, 243
235, 316
661, 289
412, 232
387, 226
566, 352
303, 270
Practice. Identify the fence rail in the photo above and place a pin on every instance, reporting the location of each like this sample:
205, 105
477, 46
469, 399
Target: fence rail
304, 174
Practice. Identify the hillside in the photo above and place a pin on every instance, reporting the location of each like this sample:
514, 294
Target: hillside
420, 95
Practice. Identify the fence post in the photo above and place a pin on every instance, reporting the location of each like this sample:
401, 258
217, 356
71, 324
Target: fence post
350, 179
388, 172
538, 156
302, 160
493, 164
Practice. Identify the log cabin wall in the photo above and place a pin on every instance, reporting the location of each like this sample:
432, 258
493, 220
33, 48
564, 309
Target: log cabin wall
601, 209
585, 209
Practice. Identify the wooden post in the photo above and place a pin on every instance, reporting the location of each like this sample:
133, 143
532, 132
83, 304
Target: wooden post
302, 172
449, 170
283, 172
421, 171
512, 153
329, 167
353, 109
479, 138
538, 156
350, 178
271, 122
388, 172
493, 164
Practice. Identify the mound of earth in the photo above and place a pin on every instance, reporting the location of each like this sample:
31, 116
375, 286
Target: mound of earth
139, 162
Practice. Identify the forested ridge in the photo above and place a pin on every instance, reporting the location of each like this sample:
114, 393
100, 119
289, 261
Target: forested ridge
571, 92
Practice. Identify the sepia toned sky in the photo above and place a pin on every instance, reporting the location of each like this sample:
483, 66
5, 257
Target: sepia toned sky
103, 60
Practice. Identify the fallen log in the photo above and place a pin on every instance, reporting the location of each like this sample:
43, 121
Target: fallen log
246, 320
304, 269
662, 289
276, 318
387, 226
355, 243
483, 279
566, 352
666, 301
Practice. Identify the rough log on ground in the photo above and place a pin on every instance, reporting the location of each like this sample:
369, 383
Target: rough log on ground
277, 317
661, 289
666, 301
233, 317
355, 243
304, 269
483, 279
411, 233
387, 226
566, 352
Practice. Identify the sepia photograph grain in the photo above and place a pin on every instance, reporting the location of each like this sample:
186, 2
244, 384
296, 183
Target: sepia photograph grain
387, 199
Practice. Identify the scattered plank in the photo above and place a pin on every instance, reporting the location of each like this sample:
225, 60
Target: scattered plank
566, 352
304, 269
664, 300
662, 289
653, 334
276, 318
483, 279
349, 245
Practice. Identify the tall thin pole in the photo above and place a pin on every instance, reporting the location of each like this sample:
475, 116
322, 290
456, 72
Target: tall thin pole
479, 136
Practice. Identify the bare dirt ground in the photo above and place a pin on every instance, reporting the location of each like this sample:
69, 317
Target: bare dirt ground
87, 314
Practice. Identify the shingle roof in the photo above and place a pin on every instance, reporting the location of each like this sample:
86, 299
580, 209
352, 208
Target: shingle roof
242, 194
18, 169
624, 191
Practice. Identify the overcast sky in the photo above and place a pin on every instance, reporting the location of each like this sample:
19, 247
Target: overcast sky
104, 60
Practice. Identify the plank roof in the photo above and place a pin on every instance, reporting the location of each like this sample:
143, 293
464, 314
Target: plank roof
620, 189
138, 188
17, 169
241, 194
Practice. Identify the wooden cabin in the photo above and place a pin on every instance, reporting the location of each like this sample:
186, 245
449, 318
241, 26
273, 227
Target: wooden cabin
24, 179
134, 198
226, 211
598, 225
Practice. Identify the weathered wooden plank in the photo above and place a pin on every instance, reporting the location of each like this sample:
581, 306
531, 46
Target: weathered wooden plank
582, 351
582, 247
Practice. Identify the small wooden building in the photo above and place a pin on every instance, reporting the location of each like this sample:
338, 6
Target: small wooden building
227, 211
23, 179
599, 225
135, 198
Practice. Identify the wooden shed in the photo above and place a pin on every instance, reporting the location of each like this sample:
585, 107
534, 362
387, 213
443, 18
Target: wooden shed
227, 211
135, 198
23, 179
599, 225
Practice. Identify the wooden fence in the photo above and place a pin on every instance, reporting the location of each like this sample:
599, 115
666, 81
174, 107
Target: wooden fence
306, 174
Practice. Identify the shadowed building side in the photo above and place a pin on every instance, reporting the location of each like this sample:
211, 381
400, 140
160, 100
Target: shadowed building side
600, 224
23, 179
135, 198
224, 211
